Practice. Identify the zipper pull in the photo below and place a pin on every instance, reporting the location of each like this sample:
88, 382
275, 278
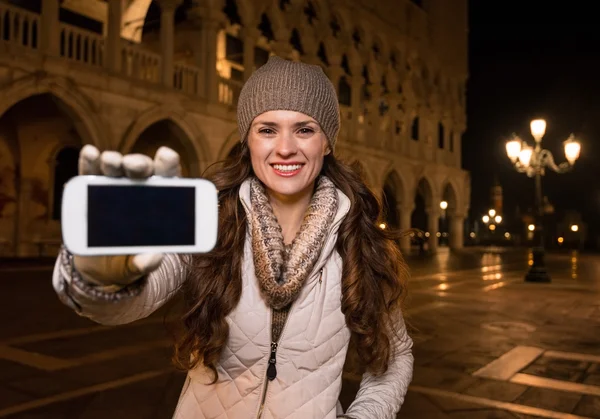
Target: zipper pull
321, 276
272, 370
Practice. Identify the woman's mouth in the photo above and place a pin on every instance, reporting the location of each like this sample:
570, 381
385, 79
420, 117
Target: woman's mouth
287, 170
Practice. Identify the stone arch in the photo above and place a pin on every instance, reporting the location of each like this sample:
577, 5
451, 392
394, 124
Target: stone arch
78, 106
247, 12
233, 15
232, 139
397, 62
423, 197
323, 10
132, 21
341, 18
393, 198
364, 171
310, 12
450, 194
265, 27
298, 41
136, 11
192, 139
364, 31
276, 18
38, 127
355, 61
380, 41
333, 49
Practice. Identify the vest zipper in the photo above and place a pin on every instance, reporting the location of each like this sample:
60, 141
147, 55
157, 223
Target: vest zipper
272, 367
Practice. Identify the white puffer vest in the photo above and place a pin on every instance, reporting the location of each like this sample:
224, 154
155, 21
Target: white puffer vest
309, 357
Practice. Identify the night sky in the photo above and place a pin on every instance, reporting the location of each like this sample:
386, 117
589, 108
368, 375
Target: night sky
537, 60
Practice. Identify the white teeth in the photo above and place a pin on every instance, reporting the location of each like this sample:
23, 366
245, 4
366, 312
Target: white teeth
287, 167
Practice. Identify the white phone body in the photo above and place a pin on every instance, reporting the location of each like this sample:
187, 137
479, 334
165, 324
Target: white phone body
120, 216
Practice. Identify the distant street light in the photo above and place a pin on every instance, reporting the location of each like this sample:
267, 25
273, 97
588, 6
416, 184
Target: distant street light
444, 205
574, 228
533, 162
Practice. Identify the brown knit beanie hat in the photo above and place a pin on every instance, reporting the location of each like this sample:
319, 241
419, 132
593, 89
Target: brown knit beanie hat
288, 85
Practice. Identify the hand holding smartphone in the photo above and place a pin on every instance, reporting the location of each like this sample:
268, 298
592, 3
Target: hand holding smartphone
123, 213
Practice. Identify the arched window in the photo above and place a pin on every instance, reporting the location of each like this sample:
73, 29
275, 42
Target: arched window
345, 92
415, 129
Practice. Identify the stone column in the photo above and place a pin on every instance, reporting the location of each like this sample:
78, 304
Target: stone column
282, 46
405, 213
458, 146
311, 49
394, 114
167, 38
376, 92
49, 34
249, 36
356, 97
457, 231
433, 223
335, 72
210, 22
212, 77
113, 36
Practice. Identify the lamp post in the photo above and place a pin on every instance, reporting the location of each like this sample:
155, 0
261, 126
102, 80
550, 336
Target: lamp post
492, 219
534, 162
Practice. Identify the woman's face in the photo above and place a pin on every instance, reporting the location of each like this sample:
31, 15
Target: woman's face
287, 150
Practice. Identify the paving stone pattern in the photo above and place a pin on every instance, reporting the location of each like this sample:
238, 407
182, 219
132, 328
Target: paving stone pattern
465, 311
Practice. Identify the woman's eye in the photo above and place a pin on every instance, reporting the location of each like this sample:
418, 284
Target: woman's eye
306, 130
266, 131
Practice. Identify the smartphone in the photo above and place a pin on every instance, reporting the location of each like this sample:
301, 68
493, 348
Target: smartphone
120, 216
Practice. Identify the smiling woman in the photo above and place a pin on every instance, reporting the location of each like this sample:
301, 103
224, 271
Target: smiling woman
287, 151
300, 270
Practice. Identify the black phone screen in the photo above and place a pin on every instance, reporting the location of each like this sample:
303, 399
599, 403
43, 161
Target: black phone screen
141, 216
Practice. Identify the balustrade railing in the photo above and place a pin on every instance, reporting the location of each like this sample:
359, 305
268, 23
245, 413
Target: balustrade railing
81, 45
18, 26
186, 78
229, 91
140, 64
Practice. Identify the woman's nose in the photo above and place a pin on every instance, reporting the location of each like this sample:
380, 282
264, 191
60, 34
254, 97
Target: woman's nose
286, 144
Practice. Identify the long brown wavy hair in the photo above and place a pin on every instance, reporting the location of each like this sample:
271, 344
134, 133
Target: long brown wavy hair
374, 273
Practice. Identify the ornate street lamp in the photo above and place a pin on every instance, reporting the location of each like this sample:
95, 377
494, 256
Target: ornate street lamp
534, 162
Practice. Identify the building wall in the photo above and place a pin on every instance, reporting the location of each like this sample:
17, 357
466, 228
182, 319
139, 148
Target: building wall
403, 69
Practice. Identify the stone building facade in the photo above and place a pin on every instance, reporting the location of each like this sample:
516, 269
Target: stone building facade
131, 75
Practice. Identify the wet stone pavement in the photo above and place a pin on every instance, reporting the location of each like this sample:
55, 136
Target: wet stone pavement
487, 345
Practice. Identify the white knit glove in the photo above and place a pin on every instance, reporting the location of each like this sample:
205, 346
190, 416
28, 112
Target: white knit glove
122, 270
